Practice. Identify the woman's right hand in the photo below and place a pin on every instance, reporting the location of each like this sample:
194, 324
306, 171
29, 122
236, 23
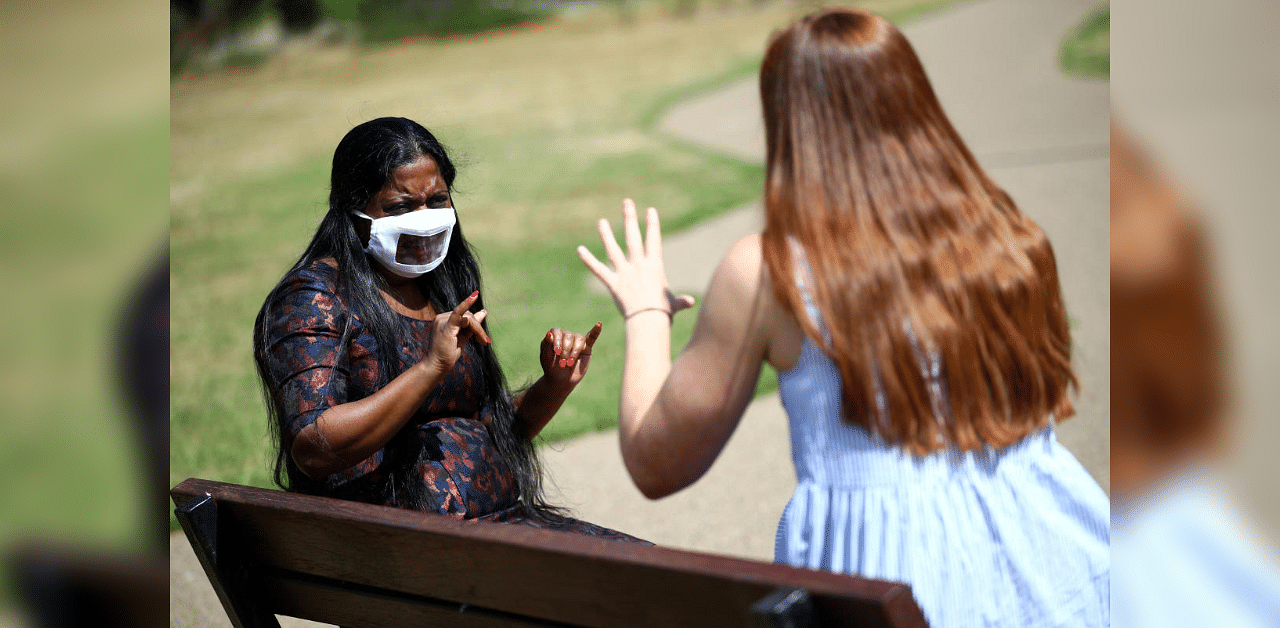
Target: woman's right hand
452, 330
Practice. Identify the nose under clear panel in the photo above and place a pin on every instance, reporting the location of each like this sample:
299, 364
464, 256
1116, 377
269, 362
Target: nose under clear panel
416, 250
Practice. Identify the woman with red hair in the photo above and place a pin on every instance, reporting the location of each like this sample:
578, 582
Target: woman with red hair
914, 315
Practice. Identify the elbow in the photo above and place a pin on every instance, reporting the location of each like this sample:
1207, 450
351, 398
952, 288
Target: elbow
654, 490
307, 461
652, 485
307, 466
310, 470
653, 480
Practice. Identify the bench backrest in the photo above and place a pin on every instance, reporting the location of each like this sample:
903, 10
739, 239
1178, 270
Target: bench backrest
271, 552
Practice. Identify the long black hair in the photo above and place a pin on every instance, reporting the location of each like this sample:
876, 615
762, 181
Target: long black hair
362, 164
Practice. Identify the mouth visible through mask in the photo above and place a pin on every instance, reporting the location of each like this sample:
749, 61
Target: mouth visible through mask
416, 250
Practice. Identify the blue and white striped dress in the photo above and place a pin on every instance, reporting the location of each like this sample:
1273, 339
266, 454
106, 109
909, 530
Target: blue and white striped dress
1015, 537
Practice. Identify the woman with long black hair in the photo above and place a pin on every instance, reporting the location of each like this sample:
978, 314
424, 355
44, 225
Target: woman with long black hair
375, 358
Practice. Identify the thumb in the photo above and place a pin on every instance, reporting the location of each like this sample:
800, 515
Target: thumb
682, 302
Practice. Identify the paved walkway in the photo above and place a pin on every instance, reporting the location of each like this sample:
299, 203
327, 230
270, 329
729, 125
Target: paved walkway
1042, 135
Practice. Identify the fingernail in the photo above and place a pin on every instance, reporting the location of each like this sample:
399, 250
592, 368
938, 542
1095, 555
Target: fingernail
569, 362
557, 350
475, 293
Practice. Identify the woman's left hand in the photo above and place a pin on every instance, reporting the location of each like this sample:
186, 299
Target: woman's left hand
565, 355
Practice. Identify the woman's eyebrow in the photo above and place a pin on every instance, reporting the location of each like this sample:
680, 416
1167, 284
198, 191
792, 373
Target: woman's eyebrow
406, 197
409, 196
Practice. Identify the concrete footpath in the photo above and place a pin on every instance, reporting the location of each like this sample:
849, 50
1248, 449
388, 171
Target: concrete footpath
1041, 134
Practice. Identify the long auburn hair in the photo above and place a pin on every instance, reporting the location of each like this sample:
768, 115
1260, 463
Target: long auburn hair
939, 299
363, 162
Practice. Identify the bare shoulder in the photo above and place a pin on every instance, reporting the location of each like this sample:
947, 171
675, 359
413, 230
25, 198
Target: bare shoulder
747, 249
742, 291
744, 277
742, 268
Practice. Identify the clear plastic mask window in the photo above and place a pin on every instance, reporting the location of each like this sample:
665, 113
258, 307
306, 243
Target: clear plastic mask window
417, 250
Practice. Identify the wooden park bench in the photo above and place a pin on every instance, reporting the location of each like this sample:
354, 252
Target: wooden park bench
270, 552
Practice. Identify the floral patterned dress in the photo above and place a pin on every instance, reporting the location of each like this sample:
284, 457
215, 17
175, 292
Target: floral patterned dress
445, 443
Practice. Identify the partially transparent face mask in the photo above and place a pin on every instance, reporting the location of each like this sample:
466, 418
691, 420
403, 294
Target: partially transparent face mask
413, 244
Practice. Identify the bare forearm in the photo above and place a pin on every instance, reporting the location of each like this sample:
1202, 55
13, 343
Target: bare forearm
348, 433
647, 363
537, 405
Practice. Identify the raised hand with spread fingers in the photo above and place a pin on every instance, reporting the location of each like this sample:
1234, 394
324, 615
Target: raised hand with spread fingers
638, 279
674, 418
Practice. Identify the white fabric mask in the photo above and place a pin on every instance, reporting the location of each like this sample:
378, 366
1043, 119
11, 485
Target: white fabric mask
413, 244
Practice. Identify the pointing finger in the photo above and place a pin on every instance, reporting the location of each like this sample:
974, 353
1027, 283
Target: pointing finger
455, 318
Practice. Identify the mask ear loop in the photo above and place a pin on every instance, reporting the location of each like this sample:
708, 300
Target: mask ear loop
368, 237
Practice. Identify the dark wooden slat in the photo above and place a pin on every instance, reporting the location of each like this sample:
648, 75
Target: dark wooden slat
333, 603
901, 611
518, 569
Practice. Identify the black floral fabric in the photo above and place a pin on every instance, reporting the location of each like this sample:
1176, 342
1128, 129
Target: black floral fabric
445, 443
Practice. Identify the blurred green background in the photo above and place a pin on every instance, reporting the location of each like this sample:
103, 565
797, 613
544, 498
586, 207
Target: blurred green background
83, 177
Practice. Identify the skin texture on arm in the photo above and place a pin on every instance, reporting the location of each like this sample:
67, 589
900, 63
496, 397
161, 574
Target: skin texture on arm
565, 357
674, 419
347, 433
536, 406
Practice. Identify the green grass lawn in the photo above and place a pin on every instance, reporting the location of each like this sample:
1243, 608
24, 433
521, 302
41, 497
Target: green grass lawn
1087, 50
551, 124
